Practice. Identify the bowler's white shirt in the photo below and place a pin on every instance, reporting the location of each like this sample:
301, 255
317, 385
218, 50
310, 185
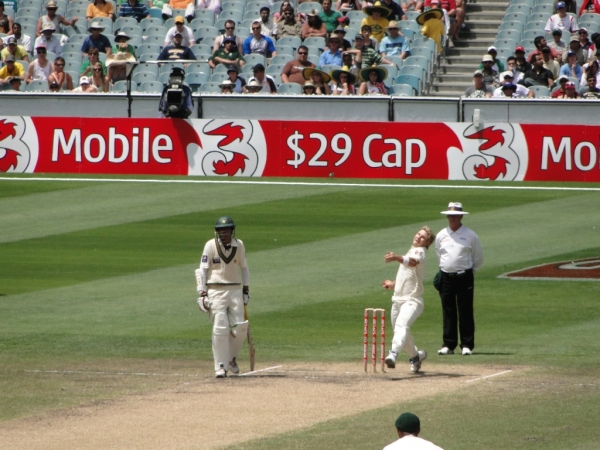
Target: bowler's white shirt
409, 280
458, 250
411, 442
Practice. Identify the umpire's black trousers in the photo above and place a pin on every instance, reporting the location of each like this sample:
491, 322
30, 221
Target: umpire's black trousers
457, 309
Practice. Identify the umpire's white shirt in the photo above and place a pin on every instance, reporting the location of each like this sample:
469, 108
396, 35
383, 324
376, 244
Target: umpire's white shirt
411, 442
458, 250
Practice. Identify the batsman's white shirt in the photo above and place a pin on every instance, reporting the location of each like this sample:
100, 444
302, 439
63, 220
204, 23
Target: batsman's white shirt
411, 442
458, 250
409, 280
218, 271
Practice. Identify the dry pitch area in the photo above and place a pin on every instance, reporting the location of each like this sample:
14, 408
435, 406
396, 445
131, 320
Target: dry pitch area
192, 412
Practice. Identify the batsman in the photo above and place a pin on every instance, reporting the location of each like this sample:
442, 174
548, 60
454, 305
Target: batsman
223, 284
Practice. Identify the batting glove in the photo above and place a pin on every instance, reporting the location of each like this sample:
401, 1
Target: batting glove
246, 297
203, 302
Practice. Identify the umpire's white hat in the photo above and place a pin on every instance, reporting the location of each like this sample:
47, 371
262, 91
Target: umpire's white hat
455, 209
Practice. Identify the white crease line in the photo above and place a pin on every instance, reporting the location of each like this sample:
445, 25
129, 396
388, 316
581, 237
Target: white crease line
300, 183
261, 370
143, 374
489, 376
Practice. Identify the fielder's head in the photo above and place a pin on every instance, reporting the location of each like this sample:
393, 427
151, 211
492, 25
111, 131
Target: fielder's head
408, 423
225, 229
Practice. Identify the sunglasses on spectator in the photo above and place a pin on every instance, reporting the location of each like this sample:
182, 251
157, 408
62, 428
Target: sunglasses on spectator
41, 50
230, 28
256, 28
51, 9
303, 53
93, 53
97, 70
59, 65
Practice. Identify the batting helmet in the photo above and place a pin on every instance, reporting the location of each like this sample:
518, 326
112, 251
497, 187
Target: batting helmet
224, 222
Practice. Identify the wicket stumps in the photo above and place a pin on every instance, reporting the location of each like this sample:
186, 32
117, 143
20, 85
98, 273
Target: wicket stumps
374, 312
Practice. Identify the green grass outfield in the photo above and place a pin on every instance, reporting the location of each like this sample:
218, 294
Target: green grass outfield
99, 274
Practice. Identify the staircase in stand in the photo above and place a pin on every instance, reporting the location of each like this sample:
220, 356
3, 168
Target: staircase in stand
455, 72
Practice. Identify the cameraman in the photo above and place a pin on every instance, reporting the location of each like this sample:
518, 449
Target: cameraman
176, 100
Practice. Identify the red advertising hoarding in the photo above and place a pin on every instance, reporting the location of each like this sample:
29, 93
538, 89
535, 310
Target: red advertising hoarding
449, 150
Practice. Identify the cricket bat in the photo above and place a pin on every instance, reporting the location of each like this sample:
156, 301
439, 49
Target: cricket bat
250, 341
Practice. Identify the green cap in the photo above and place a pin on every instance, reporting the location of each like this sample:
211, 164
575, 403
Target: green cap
408, 422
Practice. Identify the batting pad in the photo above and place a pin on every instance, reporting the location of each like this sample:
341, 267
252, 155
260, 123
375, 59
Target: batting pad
235, 343
220, 340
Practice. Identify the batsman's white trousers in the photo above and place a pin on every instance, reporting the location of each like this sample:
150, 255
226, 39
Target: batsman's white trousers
404, 314
226, 313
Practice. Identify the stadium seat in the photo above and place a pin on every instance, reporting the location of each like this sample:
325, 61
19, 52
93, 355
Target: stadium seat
538, 17
536, 25
529, 3
121, 86
156, 31
133, 30
201, 51
150, 22
155, 39
166, 67
328, 68
203, 14
546, 9
410, 15
247, 71
290, 89
511, 25
210, 87
540, 91
142, 77
234, 15
204, 32
292, 41
275, 69
72, 56
358, 15
411, 80
410, 34
505, 43
155, 13
195, 80
147, 48
515, 17
75, 29
281, 59
143, 67
151, 87
123, 22
218, 77
526, 9
169, 23
164, 77
314, 51
254, 58
38, 86
315, 42
309, 6
402, 90
199, 67
284, 50
509, 34
411, 25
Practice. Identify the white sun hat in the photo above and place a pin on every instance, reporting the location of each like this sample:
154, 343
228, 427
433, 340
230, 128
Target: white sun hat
454, 209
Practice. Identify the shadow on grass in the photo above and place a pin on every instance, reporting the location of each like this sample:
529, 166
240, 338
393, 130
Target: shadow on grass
421, 375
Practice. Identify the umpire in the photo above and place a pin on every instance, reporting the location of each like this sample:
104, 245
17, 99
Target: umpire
459, 254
